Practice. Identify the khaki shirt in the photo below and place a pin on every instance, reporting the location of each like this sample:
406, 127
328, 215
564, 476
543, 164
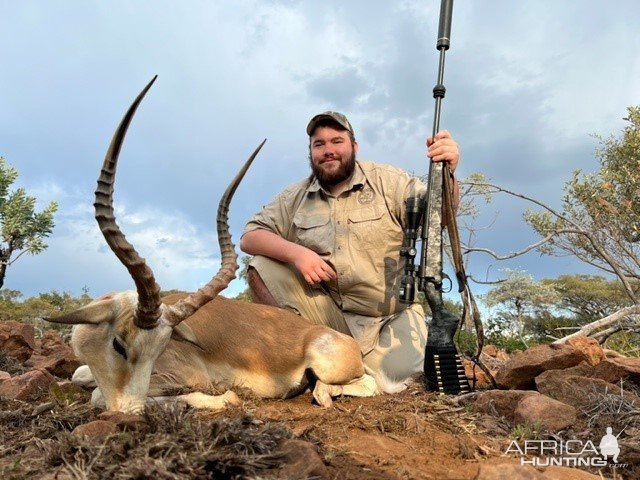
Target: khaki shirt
359, 233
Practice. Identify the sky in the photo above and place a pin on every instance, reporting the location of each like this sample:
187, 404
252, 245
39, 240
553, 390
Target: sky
529, 87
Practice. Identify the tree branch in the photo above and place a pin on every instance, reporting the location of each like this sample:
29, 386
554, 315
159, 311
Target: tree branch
588, 329
527, 249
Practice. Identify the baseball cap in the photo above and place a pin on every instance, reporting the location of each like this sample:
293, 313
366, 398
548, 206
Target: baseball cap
335, 117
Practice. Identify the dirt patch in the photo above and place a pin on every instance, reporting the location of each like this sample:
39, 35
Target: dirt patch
409, 435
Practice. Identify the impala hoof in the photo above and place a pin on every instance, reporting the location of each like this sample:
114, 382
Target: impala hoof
231, 399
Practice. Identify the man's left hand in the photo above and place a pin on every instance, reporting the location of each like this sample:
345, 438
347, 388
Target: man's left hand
443, 149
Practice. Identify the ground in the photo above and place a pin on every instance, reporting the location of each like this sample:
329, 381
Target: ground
414, 434
410, 435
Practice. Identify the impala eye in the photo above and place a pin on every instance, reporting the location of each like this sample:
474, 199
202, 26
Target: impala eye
117, 346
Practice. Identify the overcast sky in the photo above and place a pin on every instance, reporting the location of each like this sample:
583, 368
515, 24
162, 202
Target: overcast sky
528, 84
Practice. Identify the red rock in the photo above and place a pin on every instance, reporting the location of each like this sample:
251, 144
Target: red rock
523, 407
301, 460
542, 410
97, 431
502, 403
576, 390
61, 363
614, 369
124, 421
490, 350
590, 347
520, 371
28, 386
610, 370
482, 380
502, 355
51, 342
17, 340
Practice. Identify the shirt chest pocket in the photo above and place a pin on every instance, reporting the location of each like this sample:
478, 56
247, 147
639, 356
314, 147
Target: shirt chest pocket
314, 231
367, 226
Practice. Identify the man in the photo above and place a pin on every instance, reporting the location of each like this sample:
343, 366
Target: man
328, 248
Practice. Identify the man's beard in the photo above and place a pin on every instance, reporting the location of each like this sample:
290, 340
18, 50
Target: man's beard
329, 179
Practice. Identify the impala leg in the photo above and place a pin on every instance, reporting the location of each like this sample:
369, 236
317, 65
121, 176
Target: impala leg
201, 400
336, 362
210, 402
364, 386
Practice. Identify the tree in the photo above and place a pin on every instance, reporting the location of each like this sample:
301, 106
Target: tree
588, 297
521, 299
22, 229
245, 295
49, 304
599, 222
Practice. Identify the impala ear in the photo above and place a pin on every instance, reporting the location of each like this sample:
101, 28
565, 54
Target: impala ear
183, 333
98, 311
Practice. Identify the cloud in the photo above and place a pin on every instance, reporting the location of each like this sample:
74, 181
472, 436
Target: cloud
527, 83
180, 254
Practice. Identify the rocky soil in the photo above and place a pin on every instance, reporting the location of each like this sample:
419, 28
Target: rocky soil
553, 393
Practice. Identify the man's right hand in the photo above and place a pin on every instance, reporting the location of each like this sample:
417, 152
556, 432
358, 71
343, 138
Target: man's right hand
312, 267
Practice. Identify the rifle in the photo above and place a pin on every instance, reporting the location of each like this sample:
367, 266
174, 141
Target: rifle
443, 367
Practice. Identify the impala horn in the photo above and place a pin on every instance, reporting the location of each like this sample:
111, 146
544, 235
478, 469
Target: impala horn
187, 306
149, 302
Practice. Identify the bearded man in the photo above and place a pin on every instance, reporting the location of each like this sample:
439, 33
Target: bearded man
328, 248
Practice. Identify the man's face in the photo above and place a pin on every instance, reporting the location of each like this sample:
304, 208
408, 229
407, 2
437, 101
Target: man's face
332, 154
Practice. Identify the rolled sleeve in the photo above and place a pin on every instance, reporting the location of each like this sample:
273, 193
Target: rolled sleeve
277, 215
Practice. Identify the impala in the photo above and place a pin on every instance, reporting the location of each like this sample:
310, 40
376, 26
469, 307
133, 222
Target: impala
138, 347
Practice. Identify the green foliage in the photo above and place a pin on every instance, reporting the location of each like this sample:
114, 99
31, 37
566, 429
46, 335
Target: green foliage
466, 341
30, 310
452, 306
473, 190
22, 229
244, 266
520, 294
526, 431
625, 342
501, 331
588, 297
245, 295
521, 301
539, 312
166, 293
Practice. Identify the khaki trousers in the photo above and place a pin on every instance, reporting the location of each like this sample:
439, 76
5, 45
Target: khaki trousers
392, 346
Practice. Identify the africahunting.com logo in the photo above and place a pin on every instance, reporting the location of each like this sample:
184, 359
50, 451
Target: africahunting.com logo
569, 453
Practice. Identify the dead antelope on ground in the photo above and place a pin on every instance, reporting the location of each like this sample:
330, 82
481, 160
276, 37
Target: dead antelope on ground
137, 346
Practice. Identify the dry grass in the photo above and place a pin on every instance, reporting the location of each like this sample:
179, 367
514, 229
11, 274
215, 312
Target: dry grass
11, 365
171, 443
613, 409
